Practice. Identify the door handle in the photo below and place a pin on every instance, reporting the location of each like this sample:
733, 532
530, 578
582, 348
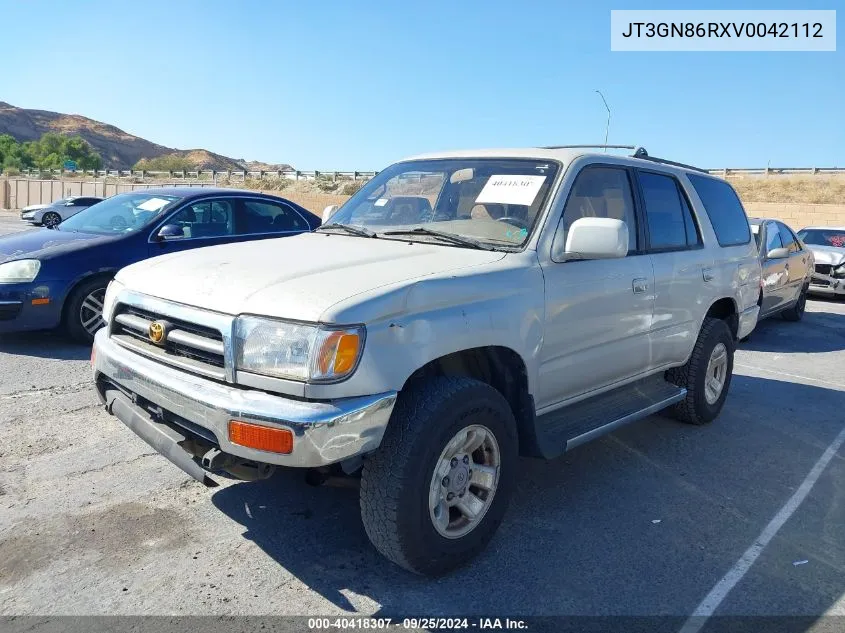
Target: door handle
639, 285
707, 273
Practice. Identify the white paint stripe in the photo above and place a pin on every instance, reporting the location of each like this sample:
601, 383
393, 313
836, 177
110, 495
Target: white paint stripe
722, 588
787, 374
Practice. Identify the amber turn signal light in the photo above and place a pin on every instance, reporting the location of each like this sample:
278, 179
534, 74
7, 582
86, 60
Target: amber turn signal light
41, 302
262, 438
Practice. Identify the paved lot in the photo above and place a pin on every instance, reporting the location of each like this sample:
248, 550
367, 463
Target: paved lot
92, 522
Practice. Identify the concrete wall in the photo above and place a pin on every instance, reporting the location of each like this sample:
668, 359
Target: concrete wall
799, 216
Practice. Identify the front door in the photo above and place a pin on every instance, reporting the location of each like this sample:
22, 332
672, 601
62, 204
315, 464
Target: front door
775, 272
598, 312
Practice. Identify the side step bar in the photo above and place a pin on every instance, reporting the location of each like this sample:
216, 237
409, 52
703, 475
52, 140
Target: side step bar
568, 427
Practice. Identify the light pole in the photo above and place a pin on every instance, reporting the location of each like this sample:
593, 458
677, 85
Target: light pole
607, 127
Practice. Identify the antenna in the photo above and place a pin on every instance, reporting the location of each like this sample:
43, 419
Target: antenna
607, 127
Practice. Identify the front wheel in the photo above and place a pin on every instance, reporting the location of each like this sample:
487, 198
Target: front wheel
796, 312
84, 310
51, 220
436, 490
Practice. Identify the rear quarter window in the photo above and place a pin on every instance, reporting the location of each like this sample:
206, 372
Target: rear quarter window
724, 210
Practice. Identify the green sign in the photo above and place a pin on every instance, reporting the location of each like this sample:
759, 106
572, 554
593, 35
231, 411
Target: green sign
70, 165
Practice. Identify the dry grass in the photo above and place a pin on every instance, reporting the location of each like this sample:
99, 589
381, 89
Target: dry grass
800, 189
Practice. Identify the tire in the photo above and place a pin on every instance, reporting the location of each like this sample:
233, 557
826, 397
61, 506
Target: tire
80, 307
699, 407
796, 312
51, 219
400, 478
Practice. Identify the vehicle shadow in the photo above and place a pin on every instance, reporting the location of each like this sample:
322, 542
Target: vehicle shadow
641, 522
52, 345
819, 331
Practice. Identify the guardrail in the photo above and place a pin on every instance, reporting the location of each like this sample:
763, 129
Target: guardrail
235, 176
202, 174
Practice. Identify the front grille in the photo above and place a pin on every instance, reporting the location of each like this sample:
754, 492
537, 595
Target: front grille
189, 346
822, 269
10, 310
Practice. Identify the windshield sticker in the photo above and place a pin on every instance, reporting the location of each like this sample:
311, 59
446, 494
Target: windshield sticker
381, 202
153, 204
505, 189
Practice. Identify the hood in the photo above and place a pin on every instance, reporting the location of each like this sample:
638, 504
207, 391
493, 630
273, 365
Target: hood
296, 277
827, 254
34, 207
45, 243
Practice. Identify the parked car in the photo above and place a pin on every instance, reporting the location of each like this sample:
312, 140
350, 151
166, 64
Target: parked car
459, 310
827, 244
59, 277
787, 269
50, 215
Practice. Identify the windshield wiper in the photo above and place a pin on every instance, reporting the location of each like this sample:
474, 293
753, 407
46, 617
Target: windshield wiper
455, 239
353, 230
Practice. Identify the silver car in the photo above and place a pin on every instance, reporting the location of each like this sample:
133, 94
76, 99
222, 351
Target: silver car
828, 246
53, 214
787, 268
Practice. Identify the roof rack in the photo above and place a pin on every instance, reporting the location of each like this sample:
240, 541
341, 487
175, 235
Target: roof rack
640, 152
634, 147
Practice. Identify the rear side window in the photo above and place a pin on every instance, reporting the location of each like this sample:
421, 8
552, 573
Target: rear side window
670, 223
724, 210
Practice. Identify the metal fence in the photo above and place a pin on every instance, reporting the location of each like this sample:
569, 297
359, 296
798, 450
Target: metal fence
777, 171
210, 175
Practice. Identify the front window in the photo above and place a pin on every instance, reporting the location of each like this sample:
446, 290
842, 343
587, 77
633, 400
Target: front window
492, 202
823, 237
123, 213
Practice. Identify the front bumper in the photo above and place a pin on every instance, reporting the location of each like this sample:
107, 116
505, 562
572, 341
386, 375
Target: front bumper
18, 313
826, 285
324, 432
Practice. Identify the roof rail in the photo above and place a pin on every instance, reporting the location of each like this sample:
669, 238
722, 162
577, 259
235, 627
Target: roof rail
589, 146
640, 152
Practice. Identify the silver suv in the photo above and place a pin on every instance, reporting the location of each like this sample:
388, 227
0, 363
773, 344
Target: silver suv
462, 309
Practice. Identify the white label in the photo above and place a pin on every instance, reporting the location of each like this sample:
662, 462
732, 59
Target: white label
381, 202
153, 204
511, 190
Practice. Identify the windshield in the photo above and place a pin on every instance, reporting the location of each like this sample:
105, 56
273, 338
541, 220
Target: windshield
823, 237
490, 201
123, 213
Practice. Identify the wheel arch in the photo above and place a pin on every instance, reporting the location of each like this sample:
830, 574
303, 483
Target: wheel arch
107, 274
727, 310
502, 368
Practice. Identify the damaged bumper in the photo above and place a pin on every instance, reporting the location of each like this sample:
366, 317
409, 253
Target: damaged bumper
186, 418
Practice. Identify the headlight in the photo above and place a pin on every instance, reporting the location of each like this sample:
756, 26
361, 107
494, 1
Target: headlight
307, 353
20, 271
109, 300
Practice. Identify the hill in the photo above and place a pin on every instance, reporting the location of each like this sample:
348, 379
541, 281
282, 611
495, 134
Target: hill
119, 149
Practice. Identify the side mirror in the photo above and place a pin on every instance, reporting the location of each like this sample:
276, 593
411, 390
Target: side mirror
593, 238
778, 253
170, 232
329, 211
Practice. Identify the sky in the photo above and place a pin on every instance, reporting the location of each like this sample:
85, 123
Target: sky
357, 85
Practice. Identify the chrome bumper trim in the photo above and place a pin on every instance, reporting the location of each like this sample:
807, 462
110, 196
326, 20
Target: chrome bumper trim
324, 432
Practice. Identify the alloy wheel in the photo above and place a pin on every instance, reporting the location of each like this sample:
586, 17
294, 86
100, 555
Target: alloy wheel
717, 372
91, 311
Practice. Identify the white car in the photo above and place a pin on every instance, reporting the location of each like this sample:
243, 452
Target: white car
53, 214
461, 309
828, 246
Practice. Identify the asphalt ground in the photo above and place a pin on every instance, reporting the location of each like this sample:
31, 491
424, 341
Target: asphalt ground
654, 520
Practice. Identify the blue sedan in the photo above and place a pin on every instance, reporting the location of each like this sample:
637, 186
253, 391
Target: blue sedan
58, 277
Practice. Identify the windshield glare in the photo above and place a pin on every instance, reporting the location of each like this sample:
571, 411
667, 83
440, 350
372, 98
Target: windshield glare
823, 237
123, 213
495, 201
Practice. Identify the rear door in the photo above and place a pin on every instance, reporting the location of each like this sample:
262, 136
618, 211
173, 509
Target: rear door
797, 263
680, 263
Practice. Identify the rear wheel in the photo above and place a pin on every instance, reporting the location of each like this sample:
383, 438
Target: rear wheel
707, 374
51, 220
84, 310
796, 312
436, 490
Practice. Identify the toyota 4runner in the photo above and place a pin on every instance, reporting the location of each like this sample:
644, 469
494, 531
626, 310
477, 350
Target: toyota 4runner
460, 310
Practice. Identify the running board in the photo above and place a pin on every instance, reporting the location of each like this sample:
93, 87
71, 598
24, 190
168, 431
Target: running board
564, 429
